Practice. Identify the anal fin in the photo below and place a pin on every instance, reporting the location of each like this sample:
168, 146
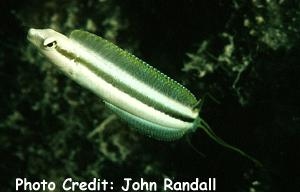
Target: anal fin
148, 128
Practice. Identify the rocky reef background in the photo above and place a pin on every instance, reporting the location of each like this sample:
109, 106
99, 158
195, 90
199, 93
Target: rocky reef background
245, 54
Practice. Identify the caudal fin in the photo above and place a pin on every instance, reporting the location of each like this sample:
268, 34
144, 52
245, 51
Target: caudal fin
206, 128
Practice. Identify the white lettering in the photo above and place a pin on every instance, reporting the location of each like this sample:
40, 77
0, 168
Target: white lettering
194, 185
209, 185
127, 180
94, 185
83, 186
168, 184
51, 186
19, 182
36, 186
203, 186
24, 185
65, 183
141, 185
177, 186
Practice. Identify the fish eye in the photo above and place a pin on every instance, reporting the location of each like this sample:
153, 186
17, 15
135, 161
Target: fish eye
50, 43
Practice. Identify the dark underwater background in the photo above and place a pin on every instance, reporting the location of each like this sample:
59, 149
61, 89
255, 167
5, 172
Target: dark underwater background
245, 54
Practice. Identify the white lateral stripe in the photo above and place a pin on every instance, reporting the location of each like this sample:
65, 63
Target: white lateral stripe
86, 78
109, 68
103, 89
108, 92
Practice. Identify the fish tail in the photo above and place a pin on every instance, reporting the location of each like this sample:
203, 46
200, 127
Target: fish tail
206, 128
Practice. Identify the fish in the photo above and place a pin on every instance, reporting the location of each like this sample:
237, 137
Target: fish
148, 100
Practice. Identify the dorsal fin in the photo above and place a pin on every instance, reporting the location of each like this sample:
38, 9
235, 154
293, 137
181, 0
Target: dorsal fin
134, 66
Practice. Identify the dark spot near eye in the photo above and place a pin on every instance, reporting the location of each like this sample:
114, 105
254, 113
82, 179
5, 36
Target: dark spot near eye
51, 44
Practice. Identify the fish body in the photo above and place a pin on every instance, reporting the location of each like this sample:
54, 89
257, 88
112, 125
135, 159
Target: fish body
139, 94
148, 100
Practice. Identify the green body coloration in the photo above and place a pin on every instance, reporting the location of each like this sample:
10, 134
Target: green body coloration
136, 67
148, 100
141, 71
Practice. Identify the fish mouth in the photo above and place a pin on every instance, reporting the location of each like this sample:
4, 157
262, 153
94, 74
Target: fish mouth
35, 36
30, 35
